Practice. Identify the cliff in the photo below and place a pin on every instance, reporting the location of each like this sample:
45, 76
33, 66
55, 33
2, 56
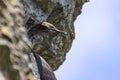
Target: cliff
17, 18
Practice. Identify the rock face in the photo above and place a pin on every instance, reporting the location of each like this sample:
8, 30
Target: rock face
60, 13
16, 59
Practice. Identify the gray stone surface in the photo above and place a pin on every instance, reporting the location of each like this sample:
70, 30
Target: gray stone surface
60, 13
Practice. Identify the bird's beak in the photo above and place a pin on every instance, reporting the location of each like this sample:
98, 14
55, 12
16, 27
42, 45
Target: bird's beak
61, 31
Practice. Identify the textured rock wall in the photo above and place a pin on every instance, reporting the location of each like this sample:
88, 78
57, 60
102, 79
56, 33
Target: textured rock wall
61, 13
16, 59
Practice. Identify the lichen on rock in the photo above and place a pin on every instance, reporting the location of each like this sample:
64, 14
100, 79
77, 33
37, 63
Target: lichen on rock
60, 13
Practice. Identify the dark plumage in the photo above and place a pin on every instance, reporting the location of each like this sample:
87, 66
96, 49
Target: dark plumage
45, 71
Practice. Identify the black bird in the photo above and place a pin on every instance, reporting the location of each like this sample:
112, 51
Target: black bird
45, 71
